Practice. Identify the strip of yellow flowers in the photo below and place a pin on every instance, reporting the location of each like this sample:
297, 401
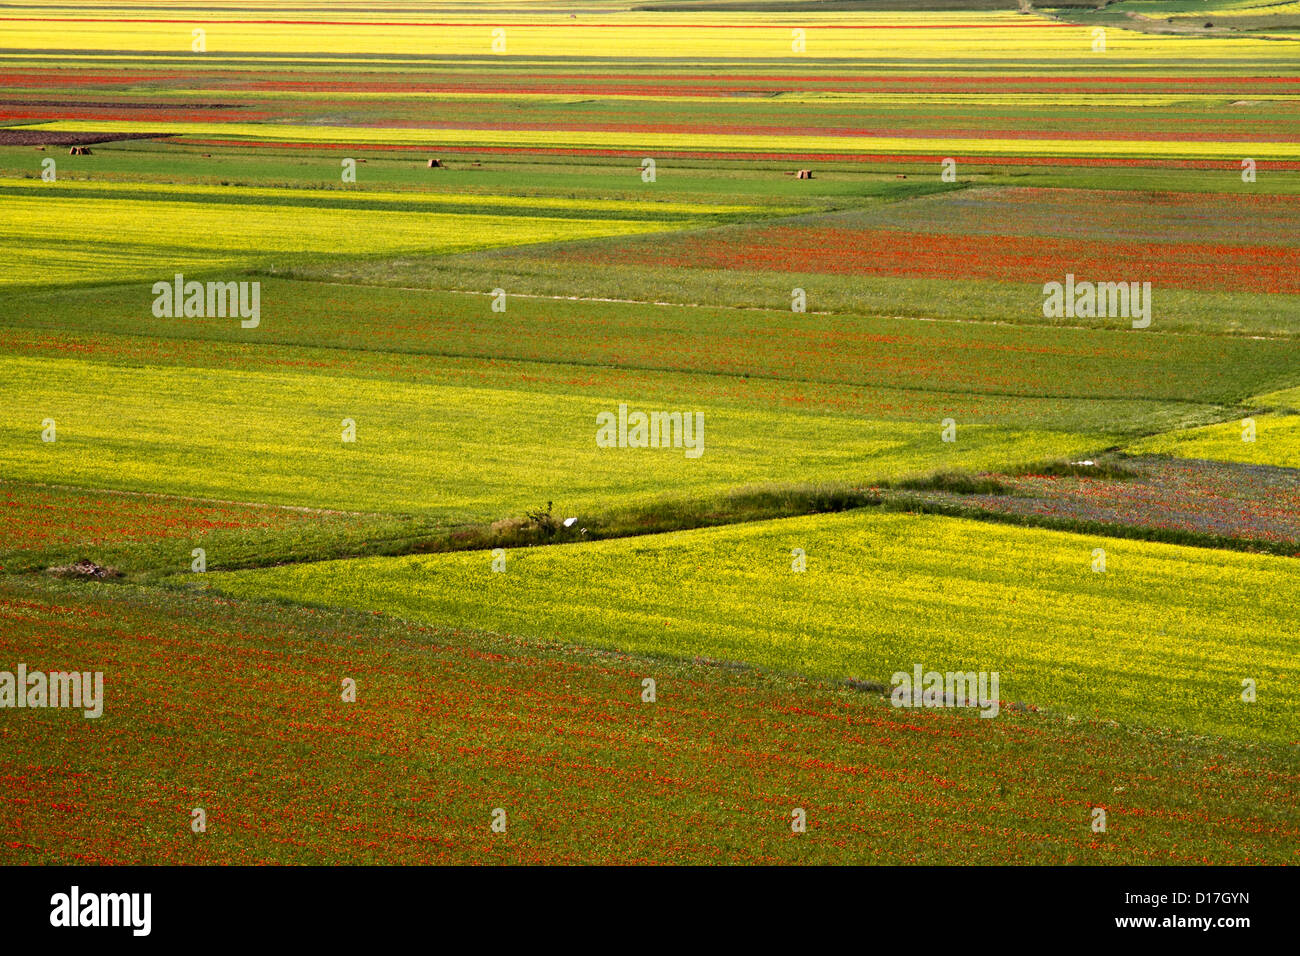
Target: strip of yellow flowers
649, 141
960, 35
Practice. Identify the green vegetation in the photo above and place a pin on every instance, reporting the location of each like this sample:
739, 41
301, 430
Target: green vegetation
880, 392
1163, 637
450, 723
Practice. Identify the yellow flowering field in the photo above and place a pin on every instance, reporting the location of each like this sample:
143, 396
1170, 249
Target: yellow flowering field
460, 453
586, 208
1275, 441
64, 238
1165, 636
668, 141
1287, 398
509, 32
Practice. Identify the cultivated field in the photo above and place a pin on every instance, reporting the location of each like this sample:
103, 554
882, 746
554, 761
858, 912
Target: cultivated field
421, 411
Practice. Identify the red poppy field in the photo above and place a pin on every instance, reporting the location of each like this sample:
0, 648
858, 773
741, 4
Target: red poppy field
1014, 236
447, 726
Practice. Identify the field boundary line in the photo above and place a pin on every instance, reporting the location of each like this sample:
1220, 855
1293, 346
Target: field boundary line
212, 501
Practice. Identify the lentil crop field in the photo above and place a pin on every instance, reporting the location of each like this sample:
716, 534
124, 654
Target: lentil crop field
682, 433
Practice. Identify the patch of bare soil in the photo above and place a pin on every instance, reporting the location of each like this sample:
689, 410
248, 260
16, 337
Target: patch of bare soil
85, 568
121, 105
50, 137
